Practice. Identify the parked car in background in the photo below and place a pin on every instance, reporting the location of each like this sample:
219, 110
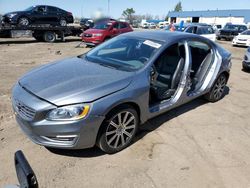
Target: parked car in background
86, 23
162, 25
205, 31
145, 25
40, 14
102, 97
136, 24
230, 31
246, 61
152, 25
104, 31
243, 39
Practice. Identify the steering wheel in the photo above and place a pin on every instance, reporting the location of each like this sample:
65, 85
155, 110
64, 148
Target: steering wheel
153, 74
143, 59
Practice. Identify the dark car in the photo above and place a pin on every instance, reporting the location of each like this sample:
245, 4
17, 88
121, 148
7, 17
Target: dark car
230, 31
205, 31
102, 97
103, 31
40, 14
246, 61
86, 23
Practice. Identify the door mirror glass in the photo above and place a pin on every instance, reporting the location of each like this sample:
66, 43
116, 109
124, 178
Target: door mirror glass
25, 174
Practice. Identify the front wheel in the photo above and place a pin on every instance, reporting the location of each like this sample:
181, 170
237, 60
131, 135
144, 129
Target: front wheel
118, 131
49, 36
218, 90
23, 21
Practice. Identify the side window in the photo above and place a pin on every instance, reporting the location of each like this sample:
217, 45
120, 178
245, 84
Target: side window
123, 25
242, 28
41, 9
51, 9
190, 30
116, 25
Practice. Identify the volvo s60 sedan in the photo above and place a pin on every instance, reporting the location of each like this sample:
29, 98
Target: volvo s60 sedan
103, 96
40, 14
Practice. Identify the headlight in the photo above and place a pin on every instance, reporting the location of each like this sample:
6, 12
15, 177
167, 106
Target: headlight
73, 112
97, 35
11, 15
248, 49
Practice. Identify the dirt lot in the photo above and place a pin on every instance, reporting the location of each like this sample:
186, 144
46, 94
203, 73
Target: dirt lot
197, 145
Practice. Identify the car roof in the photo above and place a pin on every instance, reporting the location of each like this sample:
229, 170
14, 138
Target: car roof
164, 36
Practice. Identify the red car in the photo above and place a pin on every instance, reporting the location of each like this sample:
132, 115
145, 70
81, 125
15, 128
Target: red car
104, 31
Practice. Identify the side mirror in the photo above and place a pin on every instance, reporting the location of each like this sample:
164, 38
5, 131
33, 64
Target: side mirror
25, 174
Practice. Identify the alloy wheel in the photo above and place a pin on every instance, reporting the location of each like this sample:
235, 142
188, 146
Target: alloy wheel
23, 21
219, 87
120, 129
63, 22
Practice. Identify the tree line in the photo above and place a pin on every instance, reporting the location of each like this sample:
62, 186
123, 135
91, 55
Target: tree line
130, 16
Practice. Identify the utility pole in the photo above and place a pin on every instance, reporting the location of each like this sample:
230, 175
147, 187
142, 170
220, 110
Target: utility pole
108, 7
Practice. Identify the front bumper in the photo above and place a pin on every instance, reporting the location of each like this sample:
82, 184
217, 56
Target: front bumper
246, 65
92, 41
7, 20
229, 37
240, 43
77, 134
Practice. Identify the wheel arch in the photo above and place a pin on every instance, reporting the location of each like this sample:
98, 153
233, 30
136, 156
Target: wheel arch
131, 104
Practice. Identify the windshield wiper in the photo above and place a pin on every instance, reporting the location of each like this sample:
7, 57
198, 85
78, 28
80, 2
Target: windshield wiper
105, 65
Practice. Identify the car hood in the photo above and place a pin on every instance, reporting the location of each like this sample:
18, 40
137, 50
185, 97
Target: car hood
93, 31
243, 37
74, 80
16, 12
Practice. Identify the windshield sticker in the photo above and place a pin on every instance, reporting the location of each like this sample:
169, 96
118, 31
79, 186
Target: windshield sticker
152, 44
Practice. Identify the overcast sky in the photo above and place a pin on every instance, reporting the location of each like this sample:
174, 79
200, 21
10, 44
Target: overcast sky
85, 8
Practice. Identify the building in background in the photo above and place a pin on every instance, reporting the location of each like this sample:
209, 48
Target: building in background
211, 16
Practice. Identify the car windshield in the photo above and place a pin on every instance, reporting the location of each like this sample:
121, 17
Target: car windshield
246, 32
102, 26
231, 27
30, 8
123, 53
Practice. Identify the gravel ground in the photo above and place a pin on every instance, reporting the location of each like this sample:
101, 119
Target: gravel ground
196, 145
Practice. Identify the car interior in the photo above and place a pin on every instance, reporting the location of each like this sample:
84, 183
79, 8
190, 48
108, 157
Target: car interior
202, 57
166, 73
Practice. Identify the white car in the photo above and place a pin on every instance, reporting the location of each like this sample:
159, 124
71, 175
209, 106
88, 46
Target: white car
246, 60
145, 25
152, 25
243, 39
202, 30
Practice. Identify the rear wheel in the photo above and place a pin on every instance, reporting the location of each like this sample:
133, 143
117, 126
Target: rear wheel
119, 129
218, 90
49, 36
23, 21
63, 22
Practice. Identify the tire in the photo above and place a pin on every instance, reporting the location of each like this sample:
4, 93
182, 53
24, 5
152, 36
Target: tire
49, 36
23, 21
63, 22
218, 90
218, 38
39, 38
114, 136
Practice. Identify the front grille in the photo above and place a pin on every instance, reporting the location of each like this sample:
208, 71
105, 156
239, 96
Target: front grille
225, 33
242, 39
23, 110
87, 35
